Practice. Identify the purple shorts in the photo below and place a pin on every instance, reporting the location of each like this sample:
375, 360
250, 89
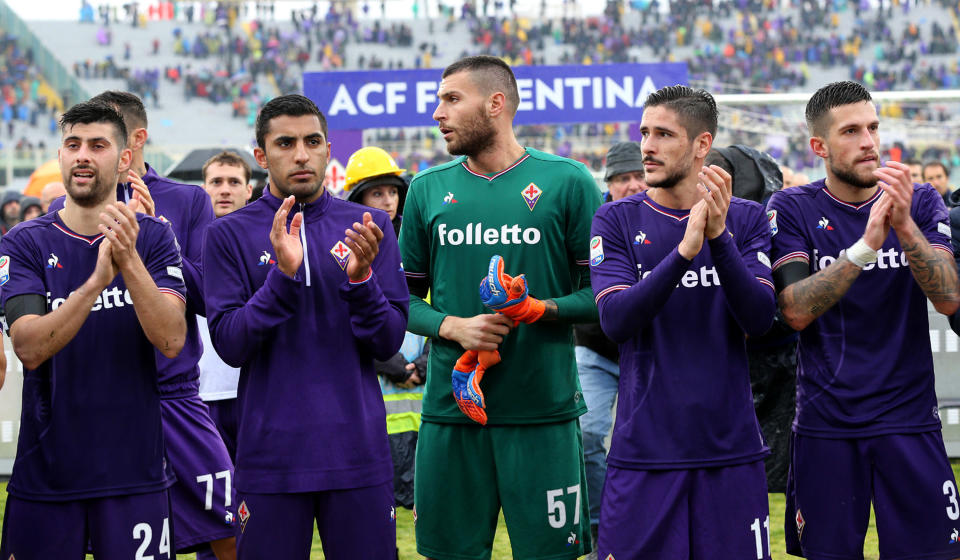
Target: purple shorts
912, 486
116, 528
203, 499
225, 415
718, 513
358, 523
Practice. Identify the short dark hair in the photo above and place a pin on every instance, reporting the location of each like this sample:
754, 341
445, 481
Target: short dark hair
129, 105
490, 74
231, 159
292, 105
912, 162
936, 163
696, 108
90, 112
829, 96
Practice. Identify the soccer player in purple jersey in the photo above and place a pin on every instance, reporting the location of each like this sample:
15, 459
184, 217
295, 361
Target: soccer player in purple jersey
684, 261
89, 293
856, 257
304, 291
202, 499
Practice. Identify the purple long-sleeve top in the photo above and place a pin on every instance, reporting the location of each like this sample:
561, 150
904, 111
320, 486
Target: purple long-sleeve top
311, 412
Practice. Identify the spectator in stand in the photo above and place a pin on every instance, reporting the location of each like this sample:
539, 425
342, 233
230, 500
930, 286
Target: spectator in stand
937, 174
916, 170
10, 210
30, 208
51, 192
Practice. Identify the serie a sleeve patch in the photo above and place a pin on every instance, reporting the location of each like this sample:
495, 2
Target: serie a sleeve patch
596, 250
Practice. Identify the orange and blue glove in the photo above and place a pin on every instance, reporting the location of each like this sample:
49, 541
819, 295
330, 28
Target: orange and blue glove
508, 294
467, 374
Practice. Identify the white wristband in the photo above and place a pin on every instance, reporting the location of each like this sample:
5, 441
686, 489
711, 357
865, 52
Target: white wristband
860, 254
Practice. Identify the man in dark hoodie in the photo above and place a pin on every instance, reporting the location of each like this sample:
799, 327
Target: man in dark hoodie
10, 208
30, 207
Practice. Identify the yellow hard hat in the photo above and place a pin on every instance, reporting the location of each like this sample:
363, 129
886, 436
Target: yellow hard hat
369, 162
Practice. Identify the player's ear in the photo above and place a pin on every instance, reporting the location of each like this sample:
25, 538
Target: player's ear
260, 156
818, 146
496, 104
138, 139
249, 192
702, 145
123, 163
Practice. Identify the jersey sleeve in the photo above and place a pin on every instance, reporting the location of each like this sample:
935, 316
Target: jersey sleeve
201, 217
742, 263
787, 241
625, 305
379, 304
582, 203
932, 217
21, 269
239, 318
161, 257
414, 243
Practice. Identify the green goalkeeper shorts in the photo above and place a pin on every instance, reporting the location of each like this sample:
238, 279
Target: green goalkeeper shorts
466, 472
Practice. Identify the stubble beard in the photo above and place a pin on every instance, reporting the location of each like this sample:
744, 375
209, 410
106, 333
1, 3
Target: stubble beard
850, 177
477, 135
99, 190
675, 175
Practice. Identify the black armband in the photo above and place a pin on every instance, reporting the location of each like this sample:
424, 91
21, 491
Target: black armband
418, 286
790, 273
27, 304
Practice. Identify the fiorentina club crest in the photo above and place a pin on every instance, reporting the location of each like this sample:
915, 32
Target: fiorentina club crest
800, 524
531, 194
244, 512
341, 253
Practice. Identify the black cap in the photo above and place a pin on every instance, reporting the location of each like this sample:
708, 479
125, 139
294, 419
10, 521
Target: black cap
623, 157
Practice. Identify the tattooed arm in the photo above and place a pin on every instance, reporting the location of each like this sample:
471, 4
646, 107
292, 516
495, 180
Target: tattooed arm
935, 271
801, 301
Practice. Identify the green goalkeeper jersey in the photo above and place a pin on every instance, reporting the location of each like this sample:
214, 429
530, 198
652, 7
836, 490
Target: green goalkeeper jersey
536, 214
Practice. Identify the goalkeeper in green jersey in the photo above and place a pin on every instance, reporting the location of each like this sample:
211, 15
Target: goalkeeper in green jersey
533, 210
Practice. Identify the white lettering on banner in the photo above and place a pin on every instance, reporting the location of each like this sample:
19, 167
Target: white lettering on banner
475, 234
540, 94
363, 98
577, 84
395, 96
342, 102
555, 94
426, 95
523, 88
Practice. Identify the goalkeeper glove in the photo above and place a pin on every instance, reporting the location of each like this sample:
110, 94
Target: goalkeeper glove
467, 374
508, 294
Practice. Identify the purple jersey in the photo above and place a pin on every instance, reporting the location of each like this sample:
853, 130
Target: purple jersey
685, 398
188, 210
90, 425
864, 367
311, 411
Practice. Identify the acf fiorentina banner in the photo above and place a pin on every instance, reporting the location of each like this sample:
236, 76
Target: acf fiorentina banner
548, 94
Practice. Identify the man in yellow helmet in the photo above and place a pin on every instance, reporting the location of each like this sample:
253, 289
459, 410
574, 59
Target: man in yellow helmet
374, 179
